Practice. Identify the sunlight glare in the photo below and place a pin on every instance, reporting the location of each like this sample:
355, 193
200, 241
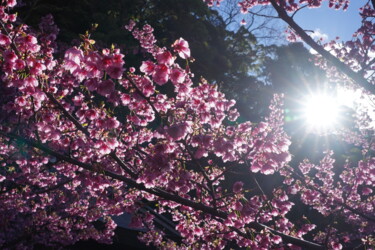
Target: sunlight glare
321, 112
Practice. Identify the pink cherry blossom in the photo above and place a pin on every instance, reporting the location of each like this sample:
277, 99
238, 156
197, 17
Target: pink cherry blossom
115, 71
165, 57
147, 67
182, 48
178, 131
177, 76
106, 87
4, 40
161, 74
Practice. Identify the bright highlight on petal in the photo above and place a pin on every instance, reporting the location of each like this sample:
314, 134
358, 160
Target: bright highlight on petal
321, 112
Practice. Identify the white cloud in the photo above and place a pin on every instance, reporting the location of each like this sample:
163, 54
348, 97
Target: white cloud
318, 34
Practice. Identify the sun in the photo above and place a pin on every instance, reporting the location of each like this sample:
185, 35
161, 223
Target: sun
321, 112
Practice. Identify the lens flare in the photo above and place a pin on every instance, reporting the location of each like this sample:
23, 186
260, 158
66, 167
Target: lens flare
321, 112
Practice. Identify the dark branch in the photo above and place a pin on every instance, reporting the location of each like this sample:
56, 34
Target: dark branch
356, 77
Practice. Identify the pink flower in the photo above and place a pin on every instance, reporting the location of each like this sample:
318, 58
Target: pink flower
336, 245
130, 26
115, 71
31, 81
177, 76
91, 114
182, 48
267, 169
125, 99
366, 191
73, 58
104, 149
276, 239
255, 167
198, 231
178, 131
21, 101
112, 123
160, 75
93, 64
19, 64
118, 58
106, 87
77, 100
201, 152
4, 40
237, 187
238, 206
71, 66
165, 58
91, 84
147, 67
146, 86
10, 56
37, 68
12, 18
112, 143
135, 222
106, 60
73, 54
11, 3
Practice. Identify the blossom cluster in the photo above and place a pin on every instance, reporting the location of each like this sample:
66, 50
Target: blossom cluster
83, 138
87, 137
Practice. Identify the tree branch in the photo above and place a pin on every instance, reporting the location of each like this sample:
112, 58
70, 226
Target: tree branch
160, 193
67, 114
354, 211
87, 133
356, 77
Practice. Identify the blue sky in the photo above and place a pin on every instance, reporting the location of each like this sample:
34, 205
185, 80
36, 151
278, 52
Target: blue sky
332, 22
325, 20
